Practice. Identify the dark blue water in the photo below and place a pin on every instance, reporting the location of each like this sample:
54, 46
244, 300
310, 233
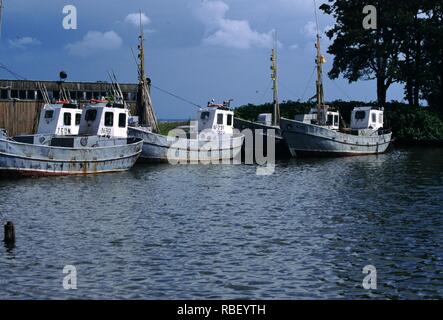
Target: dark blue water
189, 232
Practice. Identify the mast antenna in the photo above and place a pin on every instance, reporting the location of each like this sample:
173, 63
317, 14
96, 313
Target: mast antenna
319, 61
274, 77
145, 110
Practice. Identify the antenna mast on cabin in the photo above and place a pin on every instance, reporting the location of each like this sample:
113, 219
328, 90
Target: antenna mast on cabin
274, 76
319, 61
145, 110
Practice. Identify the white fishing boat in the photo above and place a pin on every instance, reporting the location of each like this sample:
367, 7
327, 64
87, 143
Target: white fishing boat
319, 133
102, 144
211, 138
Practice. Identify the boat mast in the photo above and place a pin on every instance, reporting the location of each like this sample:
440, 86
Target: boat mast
319, 61
145, 110
275, 83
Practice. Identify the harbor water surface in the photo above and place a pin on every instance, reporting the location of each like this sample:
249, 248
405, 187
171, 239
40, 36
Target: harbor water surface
223, 232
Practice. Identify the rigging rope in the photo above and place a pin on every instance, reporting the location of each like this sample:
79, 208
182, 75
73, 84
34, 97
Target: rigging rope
14, 74
286, 87
176, 96
342, 91
307, 84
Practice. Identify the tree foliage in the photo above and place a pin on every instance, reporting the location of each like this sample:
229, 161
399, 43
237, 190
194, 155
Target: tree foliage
405, 47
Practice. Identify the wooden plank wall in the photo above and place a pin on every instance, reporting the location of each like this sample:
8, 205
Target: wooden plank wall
19, 117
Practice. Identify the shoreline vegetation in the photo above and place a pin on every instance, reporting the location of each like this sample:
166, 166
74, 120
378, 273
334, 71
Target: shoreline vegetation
410, 125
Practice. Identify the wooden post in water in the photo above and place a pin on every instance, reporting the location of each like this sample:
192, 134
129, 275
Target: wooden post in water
9, 233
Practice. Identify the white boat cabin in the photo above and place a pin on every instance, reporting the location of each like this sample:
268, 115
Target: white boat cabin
265, 119
332, 118
217, 118
60, 119
366, 118
105, 119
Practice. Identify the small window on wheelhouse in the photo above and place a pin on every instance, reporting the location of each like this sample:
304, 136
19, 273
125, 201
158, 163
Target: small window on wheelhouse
220, 118
329, 122
380, 118
122, 120
336, 120
49, 114
67, 119
78, 118
204, 115
360, 115
374, 118
91, 114
229, 121
109, 119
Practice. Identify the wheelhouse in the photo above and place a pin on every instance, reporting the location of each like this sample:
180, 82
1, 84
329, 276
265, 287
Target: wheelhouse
331, 118
366, 118
105, 119
59, 119
216, 117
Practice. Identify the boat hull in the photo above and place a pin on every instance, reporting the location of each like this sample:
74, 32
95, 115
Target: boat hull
18, 159
281, 147
311, 140
158, 148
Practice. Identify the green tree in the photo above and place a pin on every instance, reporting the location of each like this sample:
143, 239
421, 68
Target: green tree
360, 53
432, 89
406, 46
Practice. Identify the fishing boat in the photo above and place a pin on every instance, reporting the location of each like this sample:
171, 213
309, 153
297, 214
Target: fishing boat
211, 138
267, 124
319, 133
102, 145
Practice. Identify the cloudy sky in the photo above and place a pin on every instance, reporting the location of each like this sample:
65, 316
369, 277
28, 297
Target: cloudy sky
197, 49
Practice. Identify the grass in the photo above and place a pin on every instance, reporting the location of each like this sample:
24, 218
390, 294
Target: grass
165, 127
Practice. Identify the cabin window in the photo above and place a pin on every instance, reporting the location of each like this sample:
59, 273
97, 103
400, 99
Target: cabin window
220, 118
330, 120
229, 120
380, 118
67, 119
374, 118
49, 114
78, 118
360, 115
122, 120
204, 115
91, 114
336, 120
109, 119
